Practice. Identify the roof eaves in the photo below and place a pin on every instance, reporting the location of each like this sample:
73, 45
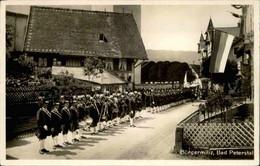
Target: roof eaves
16, 14
79, 10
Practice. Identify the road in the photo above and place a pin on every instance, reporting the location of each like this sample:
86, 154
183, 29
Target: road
152, 138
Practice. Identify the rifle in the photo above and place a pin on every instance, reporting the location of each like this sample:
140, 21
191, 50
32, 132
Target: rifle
100, 114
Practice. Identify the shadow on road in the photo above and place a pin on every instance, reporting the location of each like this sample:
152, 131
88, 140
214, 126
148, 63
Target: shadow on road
170, 109
144, 127
115, 130
13, 143
143, 120
61, 153
8, 157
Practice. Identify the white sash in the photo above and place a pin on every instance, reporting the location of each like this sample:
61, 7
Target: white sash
55, 111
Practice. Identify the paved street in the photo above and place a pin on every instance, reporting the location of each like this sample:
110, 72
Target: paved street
153, 138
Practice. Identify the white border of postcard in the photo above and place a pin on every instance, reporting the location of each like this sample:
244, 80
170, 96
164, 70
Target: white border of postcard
3, 160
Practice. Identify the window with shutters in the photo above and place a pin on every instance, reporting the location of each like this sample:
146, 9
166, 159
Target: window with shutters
42, 62
73, 62
122, 64
109, 64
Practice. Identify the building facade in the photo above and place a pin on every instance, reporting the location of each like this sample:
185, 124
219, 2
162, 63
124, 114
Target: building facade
242, 49
17, 24
62, 38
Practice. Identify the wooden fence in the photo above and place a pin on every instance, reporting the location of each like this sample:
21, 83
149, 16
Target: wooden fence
218, 135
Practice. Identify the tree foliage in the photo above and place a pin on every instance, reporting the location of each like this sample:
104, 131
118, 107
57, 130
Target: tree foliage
9, 35
166, 71
93, 65
21, 67
227, 78
245, 80
214, 102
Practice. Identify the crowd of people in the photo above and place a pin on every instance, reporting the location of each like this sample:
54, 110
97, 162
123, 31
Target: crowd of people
96, 113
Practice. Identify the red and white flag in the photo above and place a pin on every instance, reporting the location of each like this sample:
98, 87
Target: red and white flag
220, 50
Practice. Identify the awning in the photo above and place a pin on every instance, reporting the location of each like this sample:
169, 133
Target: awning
104, 78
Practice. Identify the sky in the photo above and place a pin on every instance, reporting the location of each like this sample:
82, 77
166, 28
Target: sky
180, 27
172, 27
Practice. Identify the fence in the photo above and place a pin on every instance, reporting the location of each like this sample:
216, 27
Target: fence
22, 105
21, 95
218, 135
215, 135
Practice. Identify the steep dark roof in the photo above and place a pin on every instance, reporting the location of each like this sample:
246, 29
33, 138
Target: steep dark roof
210, 25
201, 38
77, 32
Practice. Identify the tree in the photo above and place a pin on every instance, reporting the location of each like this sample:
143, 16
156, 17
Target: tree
228, 103
153, 74
145, 71
246, 80
9, 39
93, 66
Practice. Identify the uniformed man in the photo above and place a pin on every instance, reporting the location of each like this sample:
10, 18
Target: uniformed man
74, 118
88, 118
110, 110
152, 101
131, 108
94, 114
124, 108
115, 111
44, 125
104, 112
81, 108
66, 120
127, 102
56, 122
120, 108
138, 102
99, 104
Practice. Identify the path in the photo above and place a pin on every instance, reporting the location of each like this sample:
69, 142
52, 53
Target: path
153, 138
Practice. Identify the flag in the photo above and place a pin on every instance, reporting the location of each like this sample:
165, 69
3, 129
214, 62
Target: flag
185, 82
220, 50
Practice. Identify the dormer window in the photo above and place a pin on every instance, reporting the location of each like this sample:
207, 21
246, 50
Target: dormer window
102, 38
